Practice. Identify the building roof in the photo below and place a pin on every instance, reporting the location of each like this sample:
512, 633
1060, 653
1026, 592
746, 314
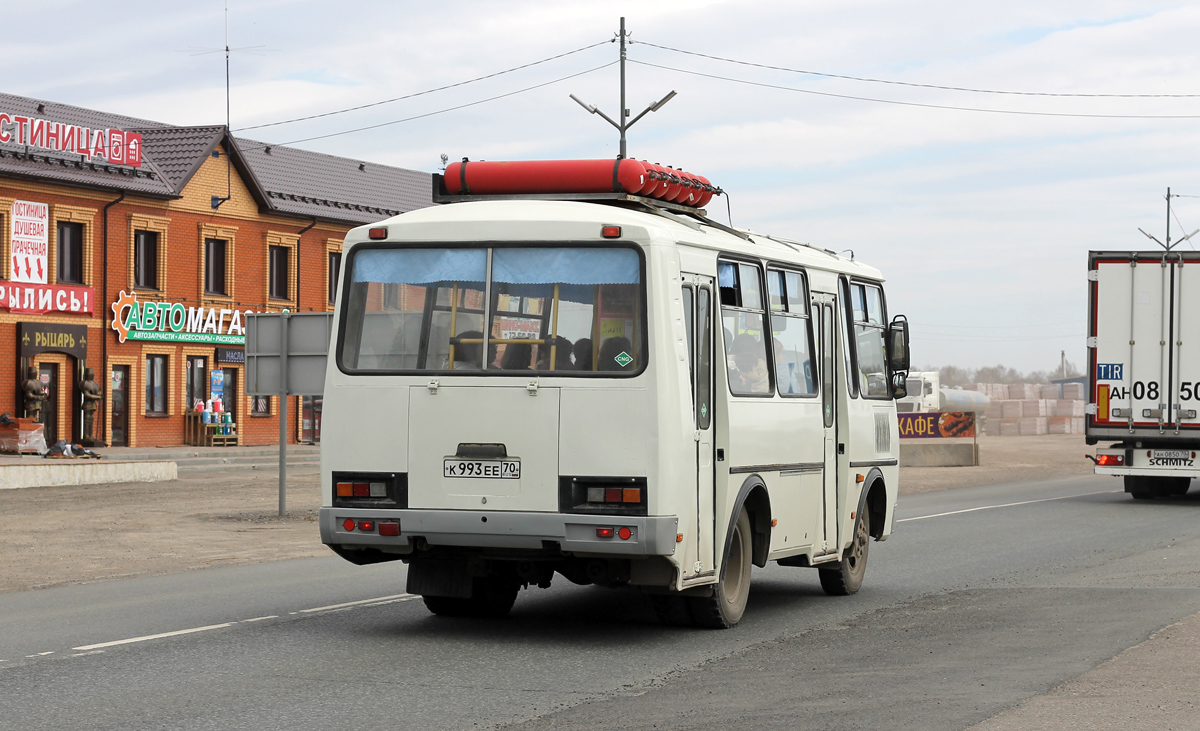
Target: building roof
284, 180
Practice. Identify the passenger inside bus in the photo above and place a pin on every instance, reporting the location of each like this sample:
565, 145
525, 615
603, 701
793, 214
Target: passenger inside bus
562, 354
610, 350
517, 357
749, 372
583, 354
466, 355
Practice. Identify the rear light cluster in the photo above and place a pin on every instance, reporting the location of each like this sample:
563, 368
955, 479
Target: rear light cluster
361, 489
614, 494
370, 490
1110, 460
385, 527
624, 532
602, 495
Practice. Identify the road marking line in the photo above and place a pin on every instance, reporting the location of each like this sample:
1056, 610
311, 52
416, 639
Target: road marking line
352, 604
259, 619
1007, 505
152, 637
41, 654
93, 652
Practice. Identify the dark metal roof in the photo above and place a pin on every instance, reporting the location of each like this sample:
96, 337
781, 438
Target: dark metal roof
22, 161
284, 180
325, 186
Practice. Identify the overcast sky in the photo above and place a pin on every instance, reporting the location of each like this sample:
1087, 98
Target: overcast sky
980, 221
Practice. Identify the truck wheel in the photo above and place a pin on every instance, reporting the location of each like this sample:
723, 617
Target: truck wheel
1138, 487
1177, 486
491, 596
727, 604
847, 576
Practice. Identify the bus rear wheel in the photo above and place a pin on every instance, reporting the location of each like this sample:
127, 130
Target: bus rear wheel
847, 576
727, 604
491, 596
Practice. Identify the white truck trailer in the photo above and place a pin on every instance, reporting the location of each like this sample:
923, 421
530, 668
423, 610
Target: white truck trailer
925, 393
1143, 368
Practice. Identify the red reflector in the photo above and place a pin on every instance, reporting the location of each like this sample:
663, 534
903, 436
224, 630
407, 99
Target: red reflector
610, 232
625, 533
1110, 460
631, 495
367, 525
604, 532
613, 494
349, 524
377, 233
388, 528
362, 489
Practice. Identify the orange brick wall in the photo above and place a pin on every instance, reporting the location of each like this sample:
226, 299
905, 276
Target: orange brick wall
180, 280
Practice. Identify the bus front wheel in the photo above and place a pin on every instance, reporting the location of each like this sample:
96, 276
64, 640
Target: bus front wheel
727, 604
847, 576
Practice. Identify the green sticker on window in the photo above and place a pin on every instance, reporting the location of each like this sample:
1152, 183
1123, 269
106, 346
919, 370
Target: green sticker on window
623, 359
703, 410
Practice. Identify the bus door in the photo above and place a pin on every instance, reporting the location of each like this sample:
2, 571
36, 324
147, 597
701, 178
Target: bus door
826, 330
697, 308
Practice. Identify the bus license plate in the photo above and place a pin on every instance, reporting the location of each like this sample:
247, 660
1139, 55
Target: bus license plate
496, 469
1172, 454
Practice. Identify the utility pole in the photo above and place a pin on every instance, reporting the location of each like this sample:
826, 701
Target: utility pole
624, 125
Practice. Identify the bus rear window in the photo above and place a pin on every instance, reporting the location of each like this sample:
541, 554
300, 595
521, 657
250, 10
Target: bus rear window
552, 309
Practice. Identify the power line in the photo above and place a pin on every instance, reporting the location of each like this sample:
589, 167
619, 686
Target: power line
916, 104
921, 86
994, 327
440, 111
422, 93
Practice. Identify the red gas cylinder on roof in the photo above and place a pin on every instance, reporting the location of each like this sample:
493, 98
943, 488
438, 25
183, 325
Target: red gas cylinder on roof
576, 176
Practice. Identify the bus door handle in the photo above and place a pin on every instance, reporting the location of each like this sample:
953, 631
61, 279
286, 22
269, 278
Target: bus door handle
841, 448
433, 386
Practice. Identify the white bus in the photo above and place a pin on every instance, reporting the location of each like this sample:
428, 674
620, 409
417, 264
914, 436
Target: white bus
616, 392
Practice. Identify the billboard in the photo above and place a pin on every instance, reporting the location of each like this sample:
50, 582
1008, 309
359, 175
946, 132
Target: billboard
936, 424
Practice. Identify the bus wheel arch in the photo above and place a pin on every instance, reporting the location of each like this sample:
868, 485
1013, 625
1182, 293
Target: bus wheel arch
873, 500
753, 497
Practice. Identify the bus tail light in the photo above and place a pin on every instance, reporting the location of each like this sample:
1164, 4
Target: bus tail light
367, 526
624, 534
1110, 460
348, 524
602, 495
604, 532
370, 490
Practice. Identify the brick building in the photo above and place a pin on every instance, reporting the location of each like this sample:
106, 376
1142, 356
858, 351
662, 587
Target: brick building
136, 248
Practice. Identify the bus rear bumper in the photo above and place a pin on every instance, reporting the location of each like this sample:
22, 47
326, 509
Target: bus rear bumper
648, 535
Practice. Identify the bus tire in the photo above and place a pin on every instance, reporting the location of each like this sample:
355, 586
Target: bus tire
491, 596
727, 604
847, 576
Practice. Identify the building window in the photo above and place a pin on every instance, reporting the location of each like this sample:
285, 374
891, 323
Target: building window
278, 277
214, 266
335, 268
70, 252
145, 259
260, 406
156, 384
197, 381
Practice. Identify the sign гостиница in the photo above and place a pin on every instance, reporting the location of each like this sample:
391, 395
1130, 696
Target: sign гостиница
175, 322
116, 146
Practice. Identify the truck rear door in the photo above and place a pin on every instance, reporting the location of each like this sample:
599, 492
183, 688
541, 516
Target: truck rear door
1144, 340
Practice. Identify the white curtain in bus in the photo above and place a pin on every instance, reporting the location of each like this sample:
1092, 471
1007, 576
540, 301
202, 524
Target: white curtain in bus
421, 266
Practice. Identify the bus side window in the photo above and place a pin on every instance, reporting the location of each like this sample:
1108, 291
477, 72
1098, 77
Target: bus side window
688, 328
745, 322
791, 333
704, 362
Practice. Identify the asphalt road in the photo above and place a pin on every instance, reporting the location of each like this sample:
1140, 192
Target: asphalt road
982, 598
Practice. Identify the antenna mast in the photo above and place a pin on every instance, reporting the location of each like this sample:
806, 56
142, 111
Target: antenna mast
624, 125
217, 200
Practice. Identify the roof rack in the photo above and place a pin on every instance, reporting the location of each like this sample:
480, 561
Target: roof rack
442, 195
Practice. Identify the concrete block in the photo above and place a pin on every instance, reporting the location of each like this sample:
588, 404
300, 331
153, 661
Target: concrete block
937, 453
1034, 407
52, 472
1033, 426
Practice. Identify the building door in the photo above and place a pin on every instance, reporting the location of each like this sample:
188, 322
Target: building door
229, 398
119, 393
48, 375
196, 373
310, 428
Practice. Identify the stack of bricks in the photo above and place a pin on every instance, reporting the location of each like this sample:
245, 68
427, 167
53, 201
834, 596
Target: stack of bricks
1030, 409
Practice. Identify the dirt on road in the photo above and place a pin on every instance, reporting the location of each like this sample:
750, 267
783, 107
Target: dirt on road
52, 536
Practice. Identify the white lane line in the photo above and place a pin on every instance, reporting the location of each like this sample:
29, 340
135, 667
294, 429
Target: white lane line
1007, 505
352, 604
41, 654
259, 619
144, 638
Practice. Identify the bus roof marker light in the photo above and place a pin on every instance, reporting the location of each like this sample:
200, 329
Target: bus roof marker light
610, 232
377, 233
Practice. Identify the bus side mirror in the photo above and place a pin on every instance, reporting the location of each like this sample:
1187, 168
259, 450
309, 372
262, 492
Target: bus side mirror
897, 353
897, 343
